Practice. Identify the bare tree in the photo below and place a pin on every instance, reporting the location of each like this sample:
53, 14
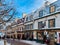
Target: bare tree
6, 11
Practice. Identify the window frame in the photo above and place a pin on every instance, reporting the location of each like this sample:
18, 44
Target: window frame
31, 17
41, 22
49, 26
29, 26
40, 13
26, 18
50, 9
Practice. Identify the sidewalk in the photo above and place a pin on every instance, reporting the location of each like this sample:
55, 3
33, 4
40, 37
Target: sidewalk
29, 42
2, 42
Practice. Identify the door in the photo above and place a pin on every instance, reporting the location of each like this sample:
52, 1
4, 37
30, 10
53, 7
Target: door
51, 35
58, 37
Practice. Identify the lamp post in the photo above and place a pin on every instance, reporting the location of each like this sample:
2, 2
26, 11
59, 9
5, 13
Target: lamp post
5, 41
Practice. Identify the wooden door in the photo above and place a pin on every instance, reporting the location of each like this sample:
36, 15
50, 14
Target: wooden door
52, 38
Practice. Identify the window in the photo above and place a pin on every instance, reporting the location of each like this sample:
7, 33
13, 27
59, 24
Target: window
51, 23
40, 35
26, 27
22, 28
41, 13
40, 25
31, 17
26, 18
29, 26
52, 9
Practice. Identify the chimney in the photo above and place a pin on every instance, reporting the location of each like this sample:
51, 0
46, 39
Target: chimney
47, 2
24, 15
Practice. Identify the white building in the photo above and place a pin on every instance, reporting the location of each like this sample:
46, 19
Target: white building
45, 19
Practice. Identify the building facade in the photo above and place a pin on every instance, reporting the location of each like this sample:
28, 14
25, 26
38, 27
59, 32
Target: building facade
44, 21
15, 30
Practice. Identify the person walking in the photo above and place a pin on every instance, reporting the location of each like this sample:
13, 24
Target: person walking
55, 41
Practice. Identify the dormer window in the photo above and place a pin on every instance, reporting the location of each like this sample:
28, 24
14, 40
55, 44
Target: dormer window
31, 17
26, 18
41, 13
51, 23
52, 9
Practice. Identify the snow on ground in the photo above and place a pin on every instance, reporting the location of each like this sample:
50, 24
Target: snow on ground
25, 41
31, 42
2, 42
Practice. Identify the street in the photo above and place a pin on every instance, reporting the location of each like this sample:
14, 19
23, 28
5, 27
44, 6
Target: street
29, 22
2, 42
21, 42
14, 42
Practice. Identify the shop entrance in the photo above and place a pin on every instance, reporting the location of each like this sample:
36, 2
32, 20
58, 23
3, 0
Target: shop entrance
40, 36
52, 37
28, 35
58, 37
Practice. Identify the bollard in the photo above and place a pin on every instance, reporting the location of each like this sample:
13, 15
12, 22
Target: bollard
4, 42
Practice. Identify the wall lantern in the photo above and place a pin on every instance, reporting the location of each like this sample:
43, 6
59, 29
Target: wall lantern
45, 32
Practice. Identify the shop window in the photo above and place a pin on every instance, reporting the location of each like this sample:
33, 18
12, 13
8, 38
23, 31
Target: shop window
40, 35
55, 34
52, 9
51, 23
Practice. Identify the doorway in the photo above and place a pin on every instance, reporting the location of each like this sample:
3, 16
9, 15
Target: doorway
58, 37
52, 37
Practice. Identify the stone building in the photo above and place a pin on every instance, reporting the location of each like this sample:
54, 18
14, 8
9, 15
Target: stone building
44, 21
15, 30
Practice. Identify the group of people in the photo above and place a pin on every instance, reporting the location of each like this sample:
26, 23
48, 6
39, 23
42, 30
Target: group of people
46, 40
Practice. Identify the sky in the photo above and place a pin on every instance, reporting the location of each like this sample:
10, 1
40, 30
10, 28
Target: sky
27, 6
